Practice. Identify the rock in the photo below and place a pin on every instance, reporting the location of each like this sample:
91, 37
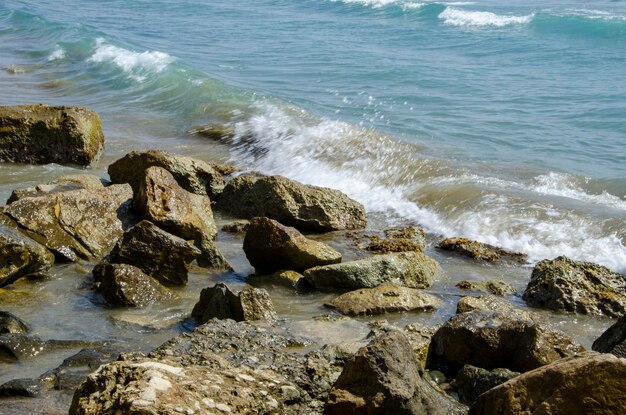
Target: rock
238, 226
419, 336
613, 340
220, 302
9, 324
496, 287
385, 378
25, 387
20, 346
408, 269
270, 246
495, 339
217, 132
587, 384
576, 287
126, 285
157, 253
163, 202
386, 298
20, 256
291, 203
289, 279
41, 134
490, 303
195, 176
480, 251
78, 224
60, 184
472, 381
394, 245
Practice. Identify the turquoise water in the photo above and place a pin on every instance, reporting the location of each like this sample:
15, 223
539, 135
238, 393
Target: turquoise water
504, 123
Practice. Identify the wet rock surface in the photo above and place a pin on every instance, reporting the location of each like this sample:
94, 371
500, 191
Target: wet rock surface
270, 246
10, 323
41, 134
495, 287
576, 287
490, 303
613, 340
291, 203
472, 381
126, 285
409, 269
480, 251
289, 279
220, 302
21, 256
60, 184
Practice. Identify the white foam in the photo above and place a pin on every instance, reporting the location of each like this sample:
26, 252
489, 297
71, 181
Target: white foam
377, 4
57, 54
560, 184
593, 14
136, 64
466, 18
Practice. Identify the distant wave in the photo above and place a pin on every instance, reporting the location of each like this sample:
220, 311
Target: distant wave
467, 18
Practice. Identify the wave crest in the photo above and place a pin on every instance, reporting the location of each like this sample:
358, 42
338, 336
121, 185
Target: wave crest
466, 18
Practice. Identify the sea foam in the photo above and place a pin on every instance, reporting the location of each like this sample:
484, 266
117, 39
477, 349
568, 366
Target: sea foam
466, 18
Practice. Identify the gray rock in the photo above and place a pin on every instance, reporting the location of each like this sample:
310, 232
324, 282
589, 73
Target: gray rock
613, 340
270, 246
78, 224
60, 184
386, 298
490, 303
20, 256
291, 203
472, 381
41, 134
195, 176
480, 251
409, 269
220, 302
9, 323
576, 287
385, 378
495, 339
587, 384
126, 285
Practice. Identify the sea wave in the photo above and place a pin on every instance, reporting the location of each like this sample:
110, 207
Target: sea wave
468, 18
57, 54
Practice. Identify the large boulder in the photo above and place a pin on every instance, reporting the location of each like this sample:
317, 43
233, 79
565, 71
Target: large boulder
291, 203
162, 201
386, 298
270, 246
587, 384
78, 224
385, 378
126, 285
41, 134
220, 302
480, 251
613, 340
159, 254
21, 256
60, 184
563, 284
408, 269
472, 381
494, 339
195, 176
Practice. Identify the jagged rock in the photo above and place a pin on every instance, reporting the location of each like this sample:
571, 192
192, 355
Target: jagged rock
386, 298
41, 134
587, 384
10, 323
220, 302
480, 251
126, 285
78, 224
291, 203
270, 246
472, 381
495, 339
157, 253
238, 226
20, 256
613, 340
385, 378
577, 287
496, 287
60, 184
163, 202
289, 279
408, 269
195, 176
490, 303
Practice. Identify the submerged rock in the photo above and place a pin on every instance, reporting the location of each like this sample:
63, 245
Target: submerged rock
577, 287
286, 278
496, 287
472, 381
60, 184
220, 302
385, 378
218, 132
20, 256
480, 251
78, 224
238, 226
613, 340
270, 246
386, 298
490, 303
41, 134
195, 176
587, 384
126, 285
409, 269
162, 201
494, 339
291, 203
10, 324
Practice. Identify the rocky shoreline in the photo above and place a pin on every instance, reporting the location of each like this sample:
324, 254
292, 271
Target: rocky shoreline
153, 222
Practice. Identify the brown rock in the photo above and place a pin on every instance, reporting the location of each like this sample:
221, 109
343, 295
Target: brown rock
613, 340
60, 184
480, 251
20, 256
490, 303
126, 285
286, 278
496, 287
220, 302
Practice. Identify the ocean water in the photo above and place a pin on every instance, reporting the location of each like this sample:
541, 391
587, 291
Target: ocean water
503, 122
